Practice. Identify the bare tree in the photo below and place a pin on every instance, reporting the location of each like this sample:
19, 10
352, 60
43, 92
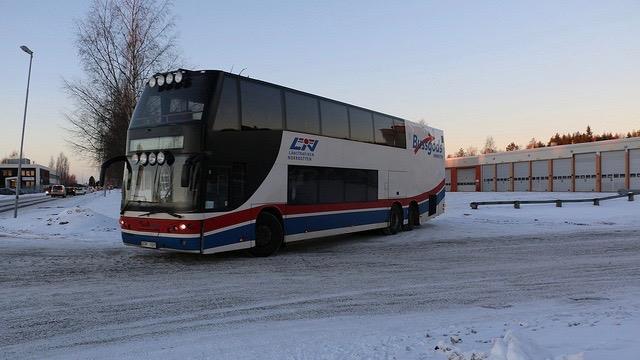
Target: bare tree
489, 146
471, 151
62, 167
120, 43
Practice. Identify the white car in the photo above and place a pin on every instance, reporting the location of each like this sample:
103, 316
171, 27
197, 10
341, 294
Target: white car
81, 191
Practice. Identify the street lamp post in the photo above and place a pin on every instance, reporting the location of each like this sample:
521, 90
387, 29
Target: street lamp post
24, 121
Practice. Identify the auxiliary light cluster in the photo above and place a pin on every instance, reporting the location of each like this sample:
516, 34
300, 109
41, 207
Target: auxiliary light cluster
151, 158
166, 79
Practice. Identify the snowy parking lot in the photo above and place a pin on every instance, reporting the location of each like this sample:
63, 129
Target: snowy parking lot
497, 283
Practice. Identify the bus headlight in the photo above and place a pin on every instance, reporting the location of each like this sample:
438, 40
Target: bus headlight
169, 78
160, 158
135, 158
177, 76
152, 82
152, 159
160, 79
143, 159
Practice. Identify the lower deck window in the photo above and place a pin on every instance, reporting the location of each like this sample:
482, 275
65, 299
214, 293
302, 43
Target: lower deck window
325, 185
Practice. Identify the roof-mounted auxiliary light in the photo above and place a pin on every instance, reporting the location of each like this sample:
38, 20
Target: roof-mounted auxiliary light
152, 159
169, 78
160, 79
152, 81
160, 158
177, 76
143, 159
135, 158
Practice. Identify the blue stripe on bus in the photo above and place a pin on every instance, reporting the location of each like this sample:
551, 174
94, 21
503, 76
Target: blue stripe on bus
163, 242
304, 224
231, 236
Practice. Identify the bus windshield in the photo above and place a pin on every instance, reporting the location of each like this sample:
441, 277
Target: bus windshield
161, 106
158, 187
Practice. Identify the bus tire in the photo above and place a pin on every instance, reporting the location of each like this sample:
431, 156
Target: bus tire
395, 221
269, 235
414, 217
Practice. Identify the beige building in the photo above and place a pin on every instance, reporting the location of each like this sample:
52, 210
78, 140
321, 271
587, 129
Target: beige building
596, 166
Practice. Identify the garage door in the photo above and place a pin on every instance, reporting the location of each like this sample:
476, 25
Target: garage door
612, 170
467, 179
488, 172
540, 175
447, 179
586, 172
634, 169
503, 175
562, 175
521, 176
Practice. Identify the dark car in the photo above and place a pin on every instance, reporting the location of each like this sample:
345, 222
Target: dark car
7, 191
71, 190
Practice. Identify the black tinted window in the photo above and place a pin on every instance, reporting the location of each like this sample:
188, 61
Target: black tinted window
314, 185
384, 130
361, 125
261, 106
160, 106
302, 113
227, 115
303, 185
331, 185
335, 121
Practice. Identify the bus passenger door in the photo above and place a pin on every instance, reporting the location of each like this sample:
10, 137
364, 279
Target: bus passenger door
397, 184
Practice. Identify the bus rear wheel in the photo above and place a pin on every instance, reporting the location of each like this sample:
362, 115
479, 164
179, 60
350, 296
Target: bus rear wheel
414, 217
395, 221
269, 235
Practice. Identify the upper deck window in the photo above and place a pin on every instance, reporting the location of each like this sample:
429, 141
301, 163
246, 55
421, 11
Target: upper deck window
335, 119
302, 113
174, 105
384, 130
261, 106
361, 124
227, 116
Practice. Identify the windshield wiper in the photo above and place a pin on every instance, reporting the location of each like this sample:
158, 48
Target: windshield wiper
162, 212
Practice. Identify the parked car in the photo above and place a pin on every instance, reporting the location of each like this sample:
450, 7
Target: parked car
10, 191
80, 190
71, 190
7, 191
58, 190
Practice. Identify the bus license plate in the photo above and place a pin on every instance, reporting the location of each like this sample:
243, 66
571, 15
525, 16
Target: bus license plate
148, 244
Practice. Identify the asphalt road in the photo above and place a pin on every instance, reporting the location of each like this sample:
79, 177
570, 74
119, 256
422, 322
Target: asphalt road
57, 300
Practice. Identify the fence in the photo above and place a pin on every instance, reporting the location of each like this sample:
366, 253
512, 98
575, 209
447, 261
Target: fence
516, 203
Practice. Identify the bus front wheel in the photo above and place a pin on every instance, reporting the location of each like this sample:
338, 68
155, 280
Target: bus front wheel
269, 235
395, 221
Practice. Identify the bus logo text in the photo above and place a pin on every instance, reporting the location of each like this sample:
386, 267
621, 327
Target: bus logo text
302, 149
303, 144
427, 144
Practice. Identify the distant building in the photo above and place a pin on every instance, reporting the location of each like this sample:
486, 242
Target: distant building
594, 166
34, 176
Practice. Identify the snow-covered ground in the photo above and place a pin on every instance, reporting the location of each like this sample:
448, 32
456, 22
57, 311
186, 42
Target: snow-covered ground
498, 283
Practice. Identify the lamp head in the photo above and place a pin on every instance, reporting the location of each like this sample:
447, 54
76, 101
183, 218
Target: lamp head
26, 49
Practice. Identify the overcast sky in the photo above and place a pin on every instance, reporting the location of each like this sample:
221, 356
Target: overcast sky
510, 69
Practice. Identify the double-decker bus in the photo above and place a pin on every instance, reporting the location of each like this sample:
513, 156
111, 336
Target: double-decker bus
218, 162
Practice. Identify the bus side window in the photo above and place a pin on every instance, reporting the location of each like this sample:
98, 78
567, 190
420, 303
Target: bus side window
384, 131
303, 185
401, 136
227, 115
217, 194
361, 125
261, 106
335, 119
302, 113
